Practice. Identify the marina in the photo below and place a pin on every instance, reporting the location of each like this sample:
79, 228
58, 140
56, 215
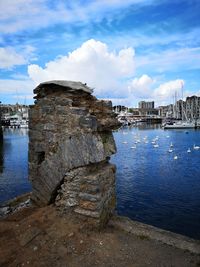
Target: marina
157, 182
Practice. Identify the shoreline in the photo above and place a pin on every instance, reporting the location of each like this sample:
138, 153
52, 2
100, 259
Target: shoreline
141, 230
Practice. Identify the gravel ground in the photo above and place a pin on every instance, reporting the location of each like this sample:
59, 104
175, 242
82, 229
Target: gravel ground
42, 237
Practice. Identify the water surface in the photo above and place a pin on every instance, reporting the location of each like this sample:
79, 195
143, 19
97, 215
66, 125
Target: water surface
14, 164
154, 188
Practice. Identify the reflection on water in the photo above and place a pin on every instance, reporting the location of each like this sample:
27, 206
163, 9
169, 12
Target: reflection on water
1, 156
152, 186
14, 164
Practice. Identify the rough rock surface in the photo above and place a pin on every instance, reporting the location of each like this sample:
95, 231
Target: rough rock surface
70, 142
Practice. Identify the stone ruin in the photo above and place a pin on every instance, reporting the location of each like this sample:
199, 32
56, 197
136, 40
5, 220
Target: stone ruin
70, 144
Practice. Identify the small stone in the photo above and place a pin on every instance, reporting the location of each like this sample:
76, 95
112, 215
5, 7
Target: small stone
4, 210
81, 242
71, 234
35, 248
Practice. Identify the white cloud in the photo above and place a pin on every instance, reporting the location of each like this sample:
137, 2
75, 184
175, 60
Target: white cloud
17, 15
108, 72
16, 86
92, 63
166, 92
145, 88
141, 87
170, 60
9, 58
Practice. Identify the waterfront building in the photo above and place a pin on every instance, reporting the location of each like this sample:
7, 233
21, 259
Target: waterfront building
148, 112
182, 110
119, 108
179, 110
166, 111
14, 114
192, 107
146, 105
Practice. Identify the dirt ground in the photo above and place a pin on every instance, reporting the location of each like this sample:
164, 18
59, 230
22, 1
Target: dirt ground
42, 237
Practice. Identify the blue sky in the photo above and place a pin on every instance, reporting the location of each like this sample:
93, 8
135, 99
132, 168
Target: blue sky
126, 50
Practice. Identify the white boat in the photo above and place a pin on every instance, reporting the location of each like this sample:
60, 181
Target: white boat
24, 124
189, 150
175, 157
170, 150
180, 125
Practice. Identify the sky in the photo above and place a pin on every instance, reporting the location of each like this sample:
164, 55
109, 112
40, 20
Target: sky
127, 51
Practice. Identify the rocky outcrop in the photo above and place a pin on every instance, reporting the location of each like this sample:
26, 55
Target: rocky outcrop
70, 142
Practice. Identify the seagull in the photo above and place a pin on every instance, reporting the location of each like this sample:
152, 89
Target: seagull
196, 147
156, 145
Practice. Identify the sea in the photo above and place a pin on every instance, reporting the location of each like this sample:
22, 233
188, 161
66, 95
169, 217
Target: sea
157, 178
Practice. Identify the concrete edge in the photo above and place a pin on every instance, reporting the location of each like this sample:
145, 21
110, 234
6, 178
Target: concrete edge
154, 233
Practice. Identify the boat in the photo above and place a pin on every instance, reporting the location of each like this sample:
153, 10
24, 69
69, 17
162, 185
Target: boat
180, 125
23, 124
189, 150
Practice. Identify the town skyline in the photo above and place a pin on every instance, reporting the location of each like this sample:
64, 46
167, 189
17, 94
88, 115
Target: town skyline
127, 51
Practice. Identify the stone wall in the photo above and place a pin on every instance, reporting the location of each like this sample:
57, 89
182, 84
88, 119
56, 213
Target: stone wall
70, 143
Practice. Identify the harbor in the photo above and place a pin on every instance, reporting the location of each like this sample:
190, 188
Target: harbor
14, 116
100, 133
180, 115
154, 185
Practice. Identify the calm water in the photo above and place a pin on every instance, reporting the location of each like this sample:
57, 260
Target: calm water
14, 164
152, 187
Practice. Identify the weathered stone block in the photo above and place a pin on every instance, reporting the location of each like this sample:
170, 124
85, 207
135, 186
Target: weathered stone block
70, 144
88, 122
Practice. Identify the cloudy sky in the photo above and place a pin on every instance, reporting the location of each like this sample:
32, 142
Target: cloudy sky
127, 50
